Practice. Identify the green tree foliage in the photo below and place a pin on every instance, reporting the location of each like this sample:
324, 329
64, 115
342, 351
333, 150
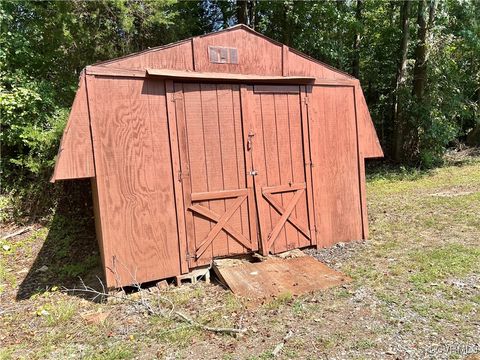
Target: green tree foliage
45, 45
43, 48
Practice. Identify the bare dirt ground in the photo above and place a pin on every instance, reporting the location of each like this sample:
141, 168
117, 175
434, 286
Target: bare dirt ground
415, 292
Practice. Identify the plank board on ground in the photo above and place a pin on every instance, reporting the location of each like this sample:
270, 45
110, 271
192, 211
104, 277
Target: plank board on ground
275, 276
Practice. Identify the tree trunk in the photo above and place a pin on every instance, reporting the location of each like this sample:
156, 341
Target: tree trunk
252, 13
473, 137
357, 39
287, 26
242, 13
398, 118
420, 70
421, 51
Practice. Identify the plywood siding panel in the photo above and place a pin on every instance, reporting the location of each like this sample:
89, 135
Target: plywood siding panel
75, 155
256, 55
134, 179
335, 165
176, 57
369, 144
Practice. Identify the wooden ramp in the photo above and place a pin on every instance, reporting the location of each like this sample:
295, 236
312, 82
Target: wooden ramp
274, 276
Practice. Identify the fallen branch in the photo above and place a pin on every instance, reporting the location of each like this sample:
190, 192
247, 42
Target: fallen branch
280, 346
209, 328
16, 233
152, 309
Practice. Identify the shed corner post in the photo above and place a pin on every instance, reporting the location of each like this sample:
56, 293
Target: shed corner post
361, 164
97, 188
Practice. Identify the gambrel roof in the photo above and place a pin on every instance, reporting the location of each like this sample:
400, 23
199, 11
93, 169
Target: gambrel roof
236, 54
257, 54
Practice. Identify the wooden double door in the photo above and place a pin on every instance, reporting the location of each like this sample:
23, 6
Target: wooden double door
244, 169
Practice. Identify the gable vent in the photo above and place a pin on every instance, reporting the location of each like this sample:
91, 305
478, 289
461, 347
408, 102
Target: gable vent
222, 55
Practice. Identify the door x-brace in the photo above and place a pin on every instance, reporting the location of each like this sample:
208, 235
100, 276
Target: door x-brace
285, 213
221, 223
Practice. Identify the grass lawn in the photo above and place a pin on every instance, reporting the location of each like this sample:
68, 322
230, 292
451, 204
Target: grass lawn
415, 290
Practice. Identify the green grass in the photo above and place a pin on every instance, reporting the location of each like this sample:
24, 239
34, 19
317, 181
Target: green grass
404, 282
181, 336
6, 353
24, 244
6, 278
435, 265
115, 351
60, 312
282, 299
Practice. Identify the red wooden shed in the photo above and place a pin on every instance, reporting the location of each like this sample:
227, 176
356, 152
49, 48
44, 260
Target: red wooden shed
214, 146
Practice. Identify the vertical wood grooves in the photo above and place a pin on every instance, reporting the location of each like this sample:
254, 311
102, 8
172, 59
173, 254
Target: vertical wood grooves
282, 161
265, 169
221, 157
239, 174
207, 177
247, 116
284, 230
291, 156
214, 148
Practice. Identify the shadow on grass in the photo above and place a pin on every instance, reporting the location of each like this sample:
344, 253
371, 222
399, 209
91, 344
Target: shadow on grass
70, 250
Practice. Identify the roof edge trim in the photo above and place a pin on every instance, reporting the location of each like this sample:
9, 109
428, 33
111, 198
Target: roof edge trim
178, 74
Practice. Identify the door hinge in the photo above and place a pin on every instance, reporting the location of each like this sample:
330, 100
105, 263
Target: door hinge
176, 96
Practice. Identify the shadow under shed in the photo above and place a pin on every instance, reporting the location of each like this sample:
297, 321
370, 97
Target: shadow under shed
70, 251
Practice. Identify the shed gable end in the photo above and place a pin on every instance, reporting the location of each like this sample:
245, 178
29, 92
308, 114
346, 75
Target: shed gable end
238, 49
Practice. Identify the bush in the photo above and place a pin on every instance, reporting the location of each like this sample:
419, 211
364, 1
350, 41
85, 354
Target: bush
32, 125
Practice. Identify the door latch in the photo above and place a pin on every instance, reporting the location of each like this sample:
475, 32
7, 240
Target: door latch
251, 134
253, 172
